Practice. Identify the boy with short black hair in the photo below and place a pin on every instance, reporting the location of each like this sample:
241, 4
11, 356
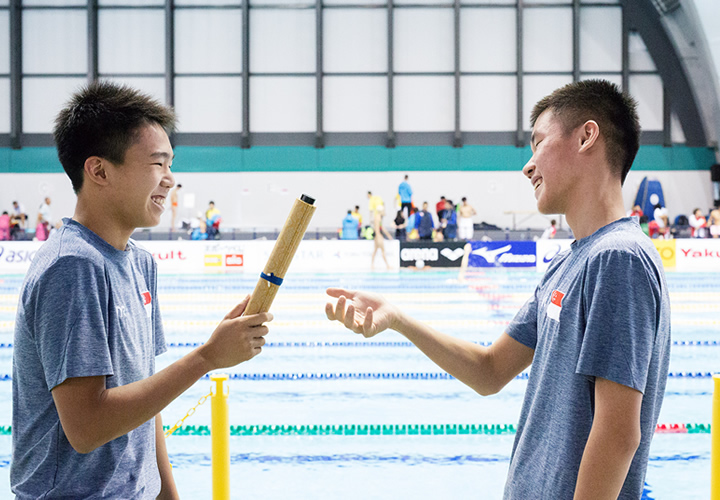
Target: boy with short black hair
86, 398
597, 328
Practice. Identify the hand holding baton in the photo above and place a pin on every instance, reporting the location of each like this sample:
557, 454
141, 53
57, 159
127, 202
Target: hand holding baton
282, 254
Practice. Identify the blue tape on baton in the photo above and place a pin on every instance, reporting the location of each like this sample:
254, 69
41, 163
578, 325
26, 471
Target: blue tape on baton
271, 278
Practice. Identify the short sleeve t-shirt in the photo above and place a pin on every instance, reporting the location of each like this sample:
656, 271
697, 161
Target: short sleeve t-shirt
601, 310
86, 309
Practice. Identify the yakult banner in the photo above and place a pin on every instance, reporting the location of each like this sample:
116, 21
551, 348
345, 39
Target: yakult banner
697, 254
421, 254
547, 250
225, 256
330, 256
502, 254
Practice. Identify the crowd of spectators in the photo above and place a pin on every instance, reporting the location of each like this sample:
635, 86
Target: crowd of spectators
449, 222
658, 224
19, 224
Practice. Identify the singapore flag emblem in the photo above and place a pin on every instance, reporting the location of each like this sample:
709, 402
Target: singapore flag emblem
147, 302
555, 306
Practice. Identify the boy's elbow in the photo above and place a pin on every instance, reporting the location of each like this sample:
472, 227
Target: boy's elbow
81, 446
83, 442
630, 440
487, 388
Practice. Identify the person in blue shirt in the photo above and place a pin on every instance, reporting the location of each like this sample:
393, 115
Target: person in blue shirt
350, 227
596, 331
449, 222
405, 192
424, 223
86, 399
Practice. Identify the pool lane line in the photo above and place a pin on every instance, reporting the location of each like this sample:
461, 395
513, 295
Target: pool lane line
386, 430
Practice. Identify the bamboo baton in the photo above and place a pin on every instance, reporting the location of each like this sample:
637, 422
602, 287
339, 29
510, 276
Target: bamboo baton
282, 254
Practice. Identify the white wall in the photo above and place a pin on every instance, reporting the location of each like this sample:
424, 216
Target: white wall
709, 11
263, 200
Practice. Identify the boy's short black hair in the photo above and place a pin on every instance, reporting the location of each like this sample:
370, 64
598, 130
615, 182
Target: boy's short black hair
102, 119
614, 111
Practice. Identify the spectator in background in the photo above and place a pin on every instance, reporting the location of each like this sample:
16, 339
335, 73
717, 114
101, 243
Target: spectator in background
636, 212
17, 222
374, 201
405, 192
212, 220
660, 214
550, 232
440, 207
715, 223
44, 219
380, 235
349, 227
449, 223
356, 214
424, 223
174, 203
4, 226
698, 223
401, 225
465, 222
411, 227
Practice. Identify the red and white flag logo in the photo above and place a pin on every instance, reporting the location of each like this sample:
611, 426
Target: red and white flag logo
555, 306
147, 302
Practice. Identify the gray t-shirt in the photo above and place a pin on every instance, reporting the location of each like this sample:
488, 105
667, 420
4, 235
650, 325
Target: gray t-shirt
601, 310
86, 309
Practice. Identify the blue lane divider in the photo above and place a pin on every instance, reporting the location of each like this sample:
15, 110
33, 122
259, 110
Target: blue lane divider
687, 343
403, 344
376, 376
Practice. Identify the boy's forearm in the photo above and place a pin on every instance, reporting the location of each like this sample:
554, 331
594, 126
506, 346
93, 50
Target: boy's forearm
111, 413
466, 361
168, 490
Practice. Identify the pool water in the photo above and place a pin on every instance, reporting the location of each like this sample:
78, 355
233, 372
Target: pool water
318, 374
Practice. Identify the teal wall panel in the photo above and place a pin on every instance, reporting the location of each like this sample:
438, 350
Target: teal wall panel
358, 159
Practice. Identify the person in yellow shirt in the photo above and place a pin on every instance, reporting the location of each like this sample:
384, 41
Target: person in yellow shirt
374, 202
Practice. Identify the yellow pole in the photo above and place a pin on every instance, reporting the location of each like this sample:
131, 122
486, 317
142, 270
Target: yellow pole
715, 453
220, 434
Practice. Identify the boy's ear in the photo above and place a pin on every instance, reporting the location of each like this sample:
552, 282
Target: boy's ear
589, 136
95, 170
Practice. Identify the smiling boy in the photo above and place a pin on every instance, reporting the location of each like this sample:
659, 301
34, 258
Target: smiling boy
597, 328
86, 398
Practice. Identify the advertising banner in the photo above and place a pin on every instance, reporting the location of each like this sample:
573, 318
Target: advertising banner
547, 250
668, 252
223, 256
421, 254
502, 254
16, 256
698, 254
330, 256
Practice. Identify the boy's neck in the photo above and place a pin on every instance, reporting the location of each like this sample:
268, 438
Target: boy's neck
596, 206
97, 220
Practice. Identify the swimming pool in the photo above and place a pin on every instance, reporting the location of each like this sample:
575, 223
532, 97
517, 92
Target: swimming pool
323, 413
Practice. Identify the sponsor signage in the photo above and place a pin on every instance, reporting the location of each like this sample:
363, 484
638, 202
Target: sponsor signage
339, 256
668, 252
697, 254
547, 250
502, 254
16, 256
431, 254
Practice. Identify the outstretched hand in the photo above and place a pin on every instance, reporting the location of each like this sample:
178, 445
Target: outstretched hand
365, 313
